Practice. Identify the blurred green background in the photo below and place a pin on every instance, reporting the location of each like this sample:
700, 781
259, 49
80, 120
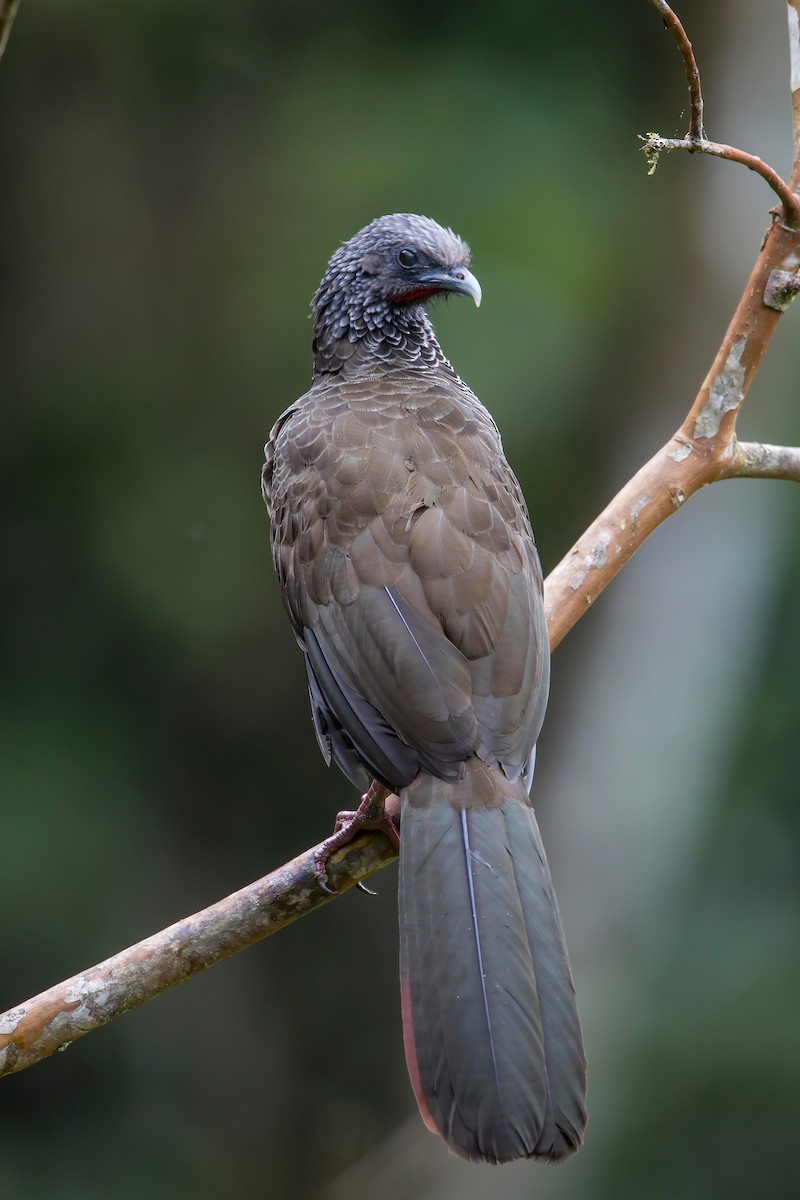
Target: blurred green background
175, 174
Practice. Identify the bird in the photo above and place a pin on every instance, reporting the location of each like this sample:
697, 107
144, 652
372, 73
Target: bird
409, 572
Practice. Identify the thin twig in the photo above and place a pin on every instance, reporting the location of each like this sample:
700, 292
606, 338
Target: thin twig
696, 130
8, 10
654, 145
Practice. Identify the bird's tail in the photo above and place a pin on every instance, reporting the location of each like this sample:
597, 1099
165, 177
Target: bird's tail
492, 1038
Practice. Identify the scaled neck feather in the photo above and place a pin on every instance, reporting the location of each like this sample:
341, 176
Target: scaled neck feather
376, 336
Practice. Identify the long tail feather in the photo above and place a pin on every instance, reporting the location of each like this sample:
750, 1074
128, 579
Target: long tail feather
493, 1041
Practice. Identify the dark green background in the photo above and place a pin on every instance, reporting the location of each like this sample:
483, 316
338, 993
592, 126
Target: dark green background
173, 178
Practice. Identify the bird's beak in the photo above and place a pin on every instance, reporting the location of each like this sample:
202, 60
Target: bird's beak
459, 279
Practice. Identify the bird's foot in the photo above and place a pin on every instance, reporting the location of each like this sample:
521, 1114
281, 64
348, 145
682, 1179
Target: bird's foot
372, 813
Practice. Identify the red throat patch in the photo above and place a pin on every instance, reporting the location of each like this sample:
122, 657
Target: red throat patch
418, 294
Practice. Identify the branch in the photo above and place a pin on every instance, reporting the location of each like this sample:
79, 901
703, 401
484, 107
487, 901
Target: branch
57, 1017
703, 450
696, 131
755, 460
654, 145
8, 10
794, 84
696, 142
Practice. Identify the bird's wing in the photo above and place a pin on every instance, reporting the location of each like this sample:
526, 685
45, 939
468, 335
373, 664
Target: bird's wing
407, 565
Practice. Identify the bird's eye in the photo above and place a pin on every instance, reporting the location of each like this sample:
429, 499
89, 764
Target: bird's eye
407, 258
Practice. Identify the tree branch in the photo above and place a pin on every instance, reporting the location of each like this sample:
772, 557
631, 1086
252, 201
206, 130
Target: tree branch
755, 460
703, 450
57, 1017
794, 61
654, 145
696, 131
8, 10
696, 142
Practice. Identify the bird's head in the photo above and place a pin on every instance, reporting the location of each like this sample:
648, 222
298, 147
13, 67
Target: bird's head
379, 279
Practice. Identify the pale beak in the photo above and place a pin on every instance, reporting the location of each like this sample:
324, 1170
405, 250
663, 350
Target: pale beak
458, 280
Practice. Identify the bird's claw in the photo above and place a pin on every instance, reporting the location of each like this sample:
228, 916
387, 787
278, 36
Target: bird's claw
370, 814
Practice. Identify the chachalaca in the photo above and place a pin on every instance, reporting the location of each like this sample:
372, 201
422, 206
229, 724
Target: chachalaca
410, 575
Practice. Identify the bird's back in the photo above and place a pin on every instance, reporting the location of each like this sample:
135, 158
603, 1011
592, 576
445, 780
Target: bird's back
392, 501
